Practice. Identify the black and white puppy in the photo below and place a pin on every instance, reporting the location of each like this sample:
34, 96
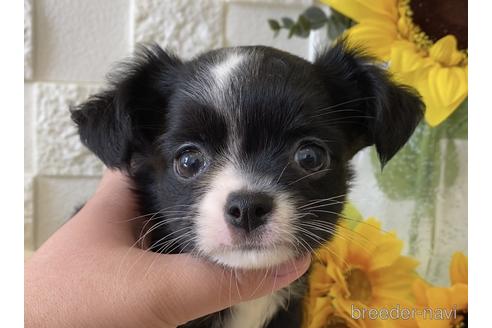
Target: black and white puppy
244, 152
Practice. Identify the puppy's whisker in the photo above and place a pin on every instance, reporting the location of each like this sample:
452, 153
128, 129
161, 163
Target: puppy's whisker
343, 110
237, 286
321, 200
333, 226
138, 259
307, 232
341, 118
323, 204
134, 218
303, 215
154, 227
261, 283
149, 214
309, 175
315, 206
281, 173
167, 237
231, 310
133, 246
275, 278
347, 102
337, 256
333, 230
159, 253
178, 244
321, 245
344, 217
338, 123
143, 229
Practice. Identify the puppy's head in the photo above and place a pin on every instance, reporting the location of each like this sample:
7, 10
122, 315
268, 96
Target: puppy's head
242, 153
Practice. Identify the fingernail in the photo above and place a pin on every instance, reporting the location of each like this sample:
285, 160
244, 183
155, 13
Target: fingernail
298, 267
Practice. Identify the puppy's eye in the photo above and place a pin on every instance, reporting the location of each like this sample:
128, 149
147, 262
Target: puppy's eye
189, 163
311, 157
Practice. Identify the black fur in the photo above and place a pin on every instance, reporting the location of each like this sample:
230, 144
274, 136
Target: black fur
274, 102
389, 113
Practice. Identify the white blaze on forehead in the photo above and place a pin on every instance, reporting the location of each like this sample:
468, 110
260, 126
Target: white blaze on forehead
222, 72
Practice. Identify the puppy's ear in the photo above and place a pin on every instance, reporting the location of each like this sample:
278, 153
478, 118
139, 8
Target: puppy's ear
127, 117
373, 108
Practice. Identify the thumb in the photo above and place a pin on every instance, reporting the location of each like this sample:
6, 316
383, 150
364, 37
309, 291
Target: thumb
194, 288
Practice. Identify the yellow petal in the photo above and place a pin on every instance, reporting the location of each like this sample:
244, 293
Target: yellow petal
419, 290
459, 269
439, 298
336, 252
343, 309
375, 36
387, 282
365, 9
406, 263
393, 296
445, 51
339, 279
319, 316
405, 57
459, 296
369, 230
363, 241
443, 90
442, 301
386, 253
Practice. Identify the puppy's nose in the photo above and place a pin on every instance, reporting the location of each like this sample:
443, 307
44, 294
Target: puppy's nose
248, 210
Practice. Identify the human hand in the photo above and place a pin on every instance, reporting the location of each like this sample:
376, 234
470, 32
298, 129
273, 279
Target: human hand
89, 274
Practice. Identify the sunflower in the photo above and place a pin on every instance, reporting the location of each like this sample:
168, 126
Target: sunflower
359, 270
453, 300
424, 43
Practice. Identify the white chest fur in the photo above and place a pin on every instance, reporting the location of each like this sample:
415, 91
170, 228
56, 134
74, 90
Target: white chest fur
258, 312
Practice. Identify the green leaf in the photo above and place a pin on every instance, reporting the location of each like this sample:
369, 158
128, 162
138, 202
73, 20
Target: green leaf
288, 22
337, 24
341, 19
315, 14
311, 19
333, 30
294, 30
274, 24
305, 26
316, 17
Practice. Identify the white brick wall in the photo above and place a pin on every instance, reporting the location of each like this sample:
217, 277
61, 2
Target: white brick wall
69, 47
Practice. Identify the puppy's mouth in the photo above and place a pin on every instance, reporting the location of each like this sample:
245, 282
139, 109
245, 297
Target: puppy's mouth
253, 257
264, 247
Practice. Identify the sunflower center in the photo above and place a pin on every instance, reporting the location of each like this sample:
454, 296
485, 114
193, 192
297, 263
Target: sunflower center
437, 18
461, 320
359, 285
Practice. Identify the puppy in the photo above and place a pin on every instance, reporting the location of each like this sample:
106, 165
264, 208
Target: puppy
242, 154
